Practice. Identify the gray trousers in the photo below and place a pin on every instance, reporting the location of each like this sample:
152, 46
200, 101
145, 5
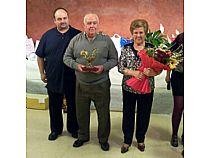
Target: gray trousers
100, 95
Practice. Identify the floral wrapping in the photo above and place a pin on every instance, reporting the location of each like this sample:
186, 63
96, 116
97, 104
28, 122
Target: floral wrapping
143, 85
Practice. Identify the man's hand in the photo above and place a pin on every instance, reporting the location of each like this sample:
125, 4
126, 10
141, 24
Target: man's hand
80, 68
44, 78
98, 69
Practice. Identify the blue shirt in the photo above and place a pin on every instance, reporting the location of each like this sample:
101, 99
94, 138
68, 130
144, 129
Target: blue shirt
52, 47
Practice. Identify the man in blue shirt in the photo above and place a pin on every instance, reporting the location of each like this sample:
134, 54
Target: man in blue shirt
60, 79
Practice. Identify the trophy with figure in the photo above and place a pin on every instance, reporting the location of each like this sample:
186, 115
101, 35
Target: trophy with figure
89, 56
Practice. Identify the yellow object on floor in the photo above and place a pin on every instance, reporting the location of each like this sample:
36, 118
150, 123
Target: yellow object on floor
37, 101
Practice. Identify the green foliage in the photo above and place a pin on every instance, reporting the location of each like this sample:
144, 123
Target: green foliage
156, 38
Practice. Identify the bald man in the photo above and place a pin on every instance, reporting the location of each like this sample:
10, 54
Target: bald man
92, 84
59, 79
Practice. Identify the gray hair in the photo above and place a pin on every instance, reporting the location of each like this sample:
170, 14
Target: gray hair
96, 16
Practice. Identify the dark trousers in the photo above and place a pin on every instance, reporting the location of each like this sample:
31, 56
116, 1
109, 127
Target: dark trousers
55, 111
144, 105
71, 124
100, 95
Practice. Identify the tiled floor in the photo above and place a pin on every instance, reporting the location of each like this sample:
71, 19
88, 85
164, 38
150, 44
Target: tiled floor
157, 139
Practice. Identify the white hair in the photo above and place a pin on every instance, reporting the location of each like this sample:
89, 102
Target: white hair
96, 16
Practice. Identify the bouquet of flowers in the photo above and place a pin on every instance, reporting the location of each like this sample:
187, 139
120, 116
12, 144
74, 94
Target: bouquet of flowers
157, 58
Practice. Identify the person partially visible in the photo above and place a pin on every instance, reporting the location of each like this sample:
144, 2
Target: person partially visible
92, 82
60, 79
176, 78
128, 64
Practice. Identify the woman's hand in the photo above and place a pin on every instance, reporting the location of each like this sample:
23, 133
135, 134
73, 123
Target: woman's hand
150, 72
167, 78
137, 74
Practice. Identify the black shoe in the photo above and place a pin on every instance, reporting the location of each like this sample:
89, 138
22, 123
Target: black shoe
105, 146
141, 147
52, 136
124, 148
183, 152
74, 135
79, 143
174, 141
183, 140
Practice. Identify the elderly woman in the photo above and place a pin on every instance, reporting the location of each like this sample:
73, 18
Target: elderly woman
129, 61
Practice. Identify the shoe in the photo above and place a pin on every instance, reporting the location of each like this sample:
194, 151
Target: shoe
52, 136
74, 135
183, 140
174, 141
124, 148
79, 143
141, 146
105, 146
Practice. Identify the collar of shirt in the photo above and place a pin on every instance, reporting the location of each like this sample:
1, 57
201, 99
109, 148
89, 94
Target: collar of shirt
63, 33
90, 39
